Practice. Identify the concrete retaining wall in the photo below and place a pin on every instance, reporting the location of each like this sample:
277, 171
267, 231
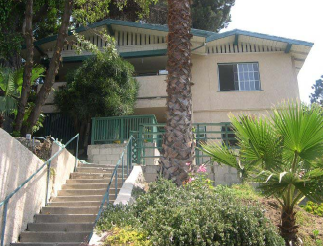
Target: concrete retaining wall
17, 164
218, 174
108, 154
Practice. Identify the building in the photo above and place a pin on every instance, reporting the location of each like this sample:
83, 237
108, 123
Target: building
235, 71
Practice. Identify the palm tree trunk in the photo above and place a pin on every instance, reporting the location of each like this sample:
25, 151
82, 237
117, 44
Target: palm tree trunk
28, 33
52, 70
288, 227
178, 147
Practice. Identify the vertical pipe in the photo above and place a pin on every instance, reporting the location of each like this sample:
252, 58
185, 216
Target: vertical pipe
4, 221
48, 180
76, 152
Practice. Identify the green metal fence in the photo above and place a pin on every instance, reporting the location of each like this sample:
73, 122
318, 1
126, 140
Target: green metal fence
117, 129
149, 140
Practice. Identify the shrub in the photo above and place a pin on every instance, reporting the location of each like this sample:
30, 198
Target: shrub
314, 208
193, 215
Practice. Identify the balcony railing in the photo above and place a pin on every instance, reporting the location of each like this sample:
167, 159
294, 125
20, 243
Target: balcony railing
106, 130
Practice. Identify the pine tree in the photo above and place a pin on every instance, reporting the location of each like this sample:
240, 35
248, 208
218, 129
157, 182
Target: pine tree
317, 95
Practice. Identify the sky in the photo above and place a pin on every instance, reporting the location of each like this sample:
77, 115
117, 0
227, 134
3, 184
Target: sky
295, 19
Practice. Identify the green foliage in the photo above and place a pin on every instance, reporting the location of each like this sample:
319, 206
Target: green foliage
317, 95
194, 214
279, 152
126, 236
11, 84
314, 208
102, 86
210, 15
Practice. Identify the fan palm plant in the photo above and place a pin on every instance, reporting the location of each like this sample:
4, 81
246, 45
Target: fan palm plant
11, 86
281, 153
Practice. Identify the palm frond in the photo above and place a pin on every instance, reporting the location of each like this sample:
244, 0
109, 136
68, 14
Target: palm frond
301, 129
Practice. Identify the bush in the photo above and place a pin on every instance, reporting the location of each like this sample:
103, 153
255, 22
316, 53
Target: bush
193, 215
314, 208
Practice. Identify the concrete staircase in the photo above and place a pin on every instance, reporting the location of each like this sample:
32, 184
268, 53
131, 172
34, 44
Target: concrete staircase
69, 218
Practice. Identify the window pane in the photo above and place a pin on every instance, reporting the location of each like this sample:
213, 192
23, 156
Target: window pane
252, 85
247, 87
250, 66
246, 75
256, 75
257, 85
226, 77
241, 86
241, 77
245, 67
255, 66
251, 76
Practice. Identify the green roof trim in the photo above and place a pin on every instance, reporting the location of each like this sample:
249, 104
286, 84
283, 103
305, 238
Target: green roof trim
209, 36
145, 53
156, 27
134, 54
235, 32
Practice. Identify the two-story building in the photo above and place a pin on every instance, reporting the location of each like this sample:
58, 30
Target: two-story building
233, 72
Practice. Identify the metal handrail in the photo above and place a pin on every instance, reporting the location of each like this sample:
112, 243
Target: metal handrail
46, 163
127, 149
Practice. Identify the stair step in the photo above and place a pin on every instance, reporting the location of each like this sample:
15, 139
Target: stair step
96, 170
70, 210
88, 181
30, 236
98, 165
98, 198
48, 244
94, 175
76, 204
66, 227
85, 192
89, 186
65, 218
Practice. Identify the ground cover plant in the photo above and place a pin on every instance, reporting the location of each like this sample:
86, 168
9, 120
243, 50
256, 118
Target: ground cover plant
195, 214
280, 152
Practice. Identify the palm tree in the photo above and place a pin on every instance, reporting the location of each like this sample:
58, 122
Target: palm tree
178, 147
281, 153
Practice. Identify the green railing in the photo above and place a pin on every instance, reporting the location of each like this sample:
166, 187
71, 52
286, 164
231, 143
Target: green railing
117, 129
47, 163
124, 168
149, 140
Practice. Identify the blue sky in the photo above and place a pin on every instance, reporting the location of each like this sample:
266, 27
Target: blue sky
297, 19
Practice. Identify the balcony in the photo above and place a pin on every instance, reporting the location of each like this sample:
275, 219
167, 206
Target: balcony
152, 94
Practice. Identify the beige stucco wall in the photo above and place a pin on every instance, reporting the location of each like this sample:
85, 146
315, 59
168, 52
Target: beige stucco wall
17, 164
63, 165
278, 82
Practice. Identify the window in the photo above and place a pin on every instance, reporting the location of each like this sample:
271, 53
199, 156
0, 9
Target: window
239, 77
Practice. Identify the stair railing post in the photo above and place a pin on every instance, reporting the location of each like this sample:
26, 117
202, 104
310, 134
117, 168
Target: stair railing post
122, 159
4, 221
48, 180
116, 184
76, 152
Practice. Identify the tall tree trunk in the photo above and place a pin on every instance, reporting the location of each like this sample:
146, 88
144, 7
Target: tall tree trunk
28, 33
53, 68
289, 228
178, 147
